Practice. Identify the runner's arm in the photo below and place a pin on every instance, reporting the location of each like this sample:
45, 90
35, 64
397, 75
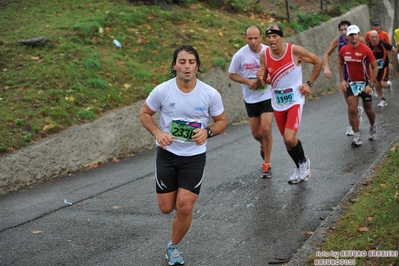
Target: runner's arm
394, 54
220, 123
303, 55
328, 53
262, 73
146, 118
374, 72
341, 72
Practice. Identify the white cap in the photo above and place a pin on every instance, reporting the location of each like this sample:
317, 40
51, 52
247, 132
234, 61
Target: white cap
352, 29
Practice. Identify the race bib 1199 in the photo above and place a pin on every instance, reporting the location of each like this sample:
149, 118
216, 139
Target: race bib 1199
284, 96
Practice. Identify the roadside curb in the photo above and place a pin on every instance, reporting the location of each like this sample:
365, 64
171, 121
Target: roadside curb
319, 235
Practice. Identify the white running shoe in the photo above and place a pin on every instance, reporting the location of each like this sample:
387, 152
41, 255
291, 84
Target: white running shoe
360, 114
357, 141
294, 179
373, 132
382, 103
349, 131
304, 170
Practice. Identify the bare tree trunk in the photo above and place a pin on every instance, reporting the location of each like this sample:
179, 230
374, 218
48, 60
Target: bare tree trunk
287, 4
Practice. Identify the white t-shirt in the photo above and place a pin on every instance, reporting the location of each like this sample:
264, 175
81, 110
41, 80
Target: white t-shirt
200, 105
246, 64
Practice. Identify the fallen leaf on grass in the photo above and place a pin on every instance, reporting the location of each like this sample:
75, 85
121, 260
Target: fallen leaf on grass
47, 127
363, 229
70, 99
396, 195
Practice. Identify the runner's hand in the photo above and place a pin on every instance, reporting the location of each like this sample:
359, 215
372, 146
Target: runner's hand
369, 90
344, 86
305, 89
164, 139
327, 74
200, 136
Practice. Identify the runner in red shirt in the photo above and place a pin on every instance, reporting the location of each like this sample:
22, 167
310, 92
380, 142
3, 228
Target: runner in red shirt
358, 59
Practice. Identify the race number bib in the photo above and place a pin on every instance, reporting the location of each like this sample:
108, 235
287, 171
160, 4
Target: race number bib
284, 96
182, 129
380, 63
357, 87
262, 89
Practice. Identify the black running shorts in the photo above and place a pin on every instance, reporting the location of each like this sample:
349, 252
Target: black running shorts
256, 109
365, 97
173, 171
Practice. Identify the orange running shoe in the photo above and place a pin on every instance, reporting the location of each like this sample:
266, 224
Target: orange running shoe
266, 171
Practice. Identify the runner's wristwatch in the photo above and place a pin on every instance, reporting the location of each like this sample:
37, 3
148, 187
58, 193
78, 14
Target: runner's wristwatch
210, 132
309, 83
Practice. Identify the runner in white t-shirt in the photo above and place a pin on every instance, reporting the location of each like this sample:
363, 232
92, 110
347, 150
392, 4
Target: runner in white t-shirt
243, 68
186, 105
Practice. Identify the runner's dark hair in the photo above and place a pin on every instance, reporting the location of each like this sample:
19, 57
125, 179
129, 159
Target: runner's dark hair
189, 49
344, 22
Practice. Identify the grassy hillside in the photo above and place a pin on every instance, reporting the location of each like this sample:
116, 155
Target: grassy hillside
80, 73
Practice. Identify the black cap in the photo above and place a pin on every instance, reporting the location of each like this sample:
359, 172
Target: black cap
376, 22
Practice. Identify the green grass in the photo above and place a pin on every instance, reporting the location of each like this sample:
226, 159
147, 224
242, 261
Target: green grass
371, 222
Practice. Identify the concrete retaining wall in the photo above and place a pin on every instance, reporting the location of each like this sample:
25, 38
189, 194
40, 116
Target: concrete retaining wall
120, 133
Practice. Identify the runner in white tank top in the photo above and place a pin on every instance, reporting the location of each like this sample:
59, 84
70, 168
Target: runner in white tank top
281, 67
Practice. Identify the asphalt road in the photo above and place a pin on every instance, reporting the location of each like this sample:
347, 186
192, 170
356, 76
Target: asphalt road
109, 215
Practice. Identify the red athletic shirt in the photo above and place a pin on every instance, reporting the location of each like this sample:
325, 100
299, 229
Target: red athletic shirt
357, 61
